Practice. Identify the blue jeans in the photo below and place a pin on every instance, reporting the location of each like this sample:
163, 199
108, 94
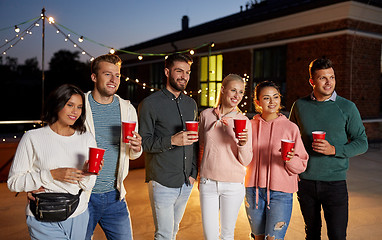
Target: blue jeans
168, 205
272, 221
112, 215
333, 197
70, 229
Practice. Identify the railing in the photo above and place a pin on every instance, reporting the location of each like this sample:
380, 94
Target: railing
11, 131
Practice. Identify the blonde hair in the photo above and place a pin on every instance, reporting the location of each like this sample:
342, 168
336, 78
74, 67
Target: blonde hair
229, 78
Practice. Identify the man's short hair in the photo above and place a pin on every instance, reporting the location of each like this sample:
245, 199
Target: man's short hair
177, 57
318, 64
110, 58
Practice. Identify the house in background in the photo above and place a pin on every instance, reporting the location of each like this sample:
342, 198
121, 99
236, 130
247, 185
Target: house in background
273, 40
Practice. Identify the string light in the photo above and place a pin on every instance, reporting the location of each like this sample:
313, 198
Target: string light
112, 51
51, 20
192, 52
17, 29
212, 44
140, 57
81, 39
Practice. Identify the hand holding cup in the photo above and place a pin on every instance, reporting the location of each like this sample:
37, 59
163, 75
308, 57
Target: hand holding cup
287, 149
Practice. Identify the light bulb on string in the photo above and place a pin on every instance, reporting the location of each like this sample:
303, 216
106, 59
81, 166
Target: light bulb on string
22, 38
6, 40
91, 59
74, 45
112, 51
140, 57
212, 44
17, 29
81, 39
136, 80
58, 31
152, 89
51, 20
37, 25
192, 52
4, 53
66, 39
83, 52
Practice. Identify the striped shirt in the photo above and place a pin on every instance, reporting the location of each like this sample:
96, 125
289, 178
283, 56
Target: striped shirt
107, 124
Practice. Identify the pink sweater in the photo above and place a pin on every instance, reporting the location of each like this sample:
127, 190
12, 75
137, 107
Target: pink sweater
267, 169
222, 158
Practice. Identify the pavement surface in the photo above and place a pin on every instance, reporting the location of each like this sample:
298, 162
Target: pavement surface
365, 220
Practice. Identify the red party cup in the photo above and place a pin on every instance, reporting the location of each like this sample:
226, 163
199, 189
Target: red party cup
192, 126
318, 135
286, 146
239, 126
127, 130
95, 158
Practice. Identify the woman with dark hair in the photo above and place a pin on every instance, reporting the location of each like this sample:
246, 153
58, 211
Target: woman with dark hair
270, 181
52, 159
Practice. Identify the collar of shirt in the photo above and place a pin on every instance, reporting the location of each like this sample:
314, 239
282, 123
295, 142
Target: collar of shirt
170, 95
332, 98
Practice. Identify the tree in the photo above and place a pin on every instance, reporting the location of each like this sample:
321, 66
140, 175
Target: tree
65, 67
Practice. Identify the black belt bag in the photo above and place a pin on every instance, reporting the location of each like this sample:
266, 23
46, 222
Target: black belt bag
54, 207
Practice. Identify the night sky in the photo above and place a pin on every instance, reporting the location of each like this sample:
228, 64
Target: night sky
115, 23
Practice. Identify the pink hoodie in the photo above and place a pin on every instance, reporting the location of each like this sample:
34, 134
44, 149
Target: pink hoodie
222, 158
267, 169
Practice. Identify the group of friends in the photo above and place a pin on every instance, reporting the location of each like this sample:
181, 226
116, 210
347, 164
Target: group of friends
227, 168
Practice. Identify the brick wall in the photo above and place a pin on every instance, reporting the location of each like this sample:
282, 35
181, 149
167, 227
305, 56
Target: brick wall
361, 85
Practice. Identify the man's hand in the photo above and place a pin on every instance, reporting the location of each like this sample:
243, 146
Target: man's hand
192, 180
135, 142
184, 138
324, 147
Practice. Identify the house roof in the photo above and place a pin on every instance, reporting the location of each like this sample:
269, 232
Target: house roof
263, 11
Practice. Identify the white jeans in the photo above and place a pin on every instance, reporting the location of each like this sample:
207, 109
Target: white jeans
224, 196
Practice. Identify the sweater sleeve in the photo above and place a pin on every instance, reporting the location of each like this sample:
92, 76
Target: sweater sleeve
299, 162
245, 152
355, 131
22, 176
150, 142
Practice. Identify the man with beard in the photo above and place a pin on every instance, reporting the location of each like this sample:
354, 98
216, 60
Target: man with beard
170, 152
323, 184
104, 113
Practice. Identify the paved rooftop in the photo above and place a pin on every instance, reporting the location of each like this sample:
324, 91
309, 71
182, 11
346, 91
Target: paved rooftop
364, 183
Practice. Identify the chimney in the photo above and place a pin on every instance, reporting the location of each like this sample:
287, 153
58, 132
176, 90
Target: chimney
185, 22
